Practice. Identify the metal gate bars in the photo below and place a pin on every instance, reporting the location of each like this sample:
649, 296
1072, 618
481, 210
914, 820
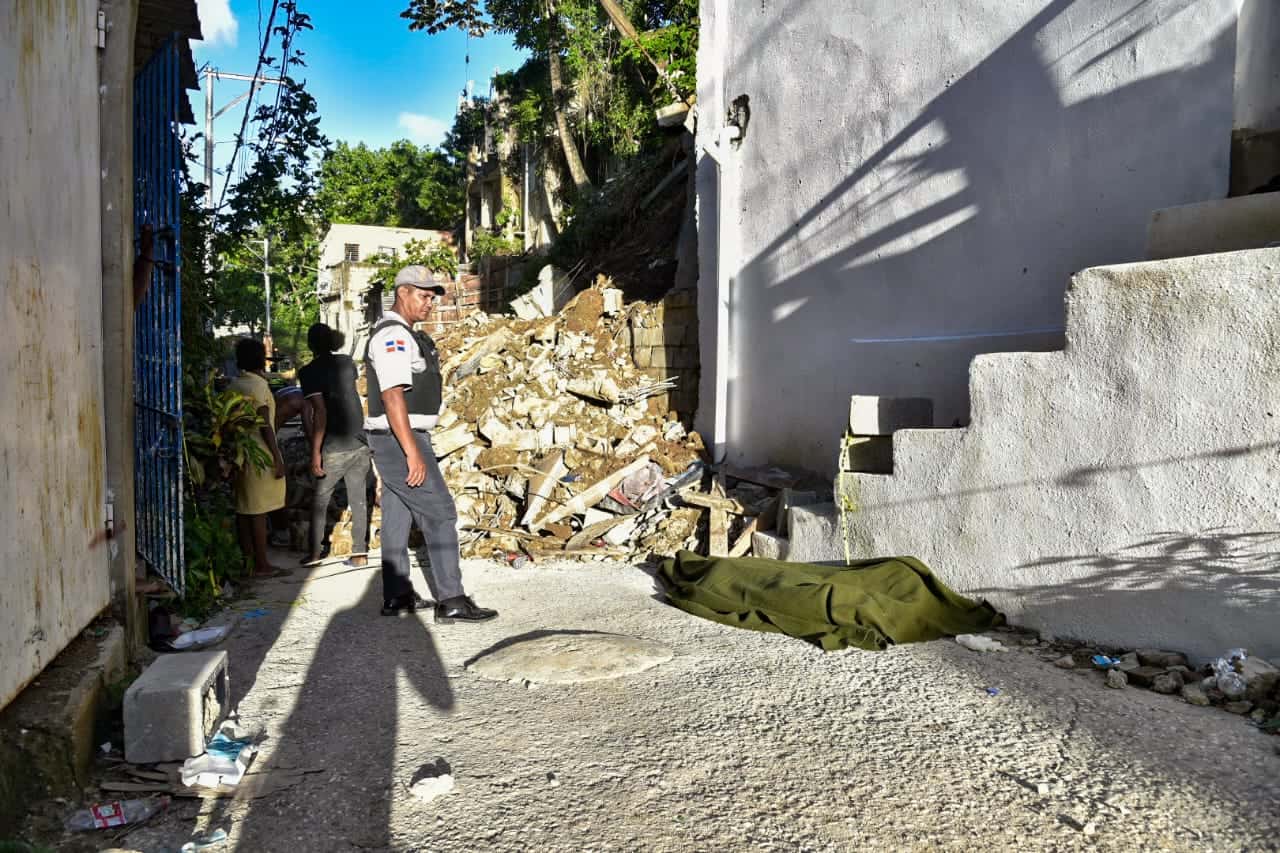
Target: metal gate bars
157, 341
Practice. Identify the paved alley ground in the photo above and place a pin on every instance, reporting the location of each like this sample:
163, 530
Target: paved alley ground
744, 741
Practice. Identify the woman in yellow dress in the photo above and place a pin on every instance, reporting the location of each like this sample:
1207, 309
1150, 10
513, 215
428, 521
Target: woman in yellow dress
258, 492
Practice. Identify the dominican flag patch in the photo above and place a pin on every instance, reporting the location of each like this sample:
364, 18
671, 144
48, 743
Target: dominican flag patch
395, 346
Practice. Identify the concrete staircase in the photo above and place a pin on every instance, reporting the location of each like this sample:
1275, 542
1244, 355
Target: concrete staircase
1126, 489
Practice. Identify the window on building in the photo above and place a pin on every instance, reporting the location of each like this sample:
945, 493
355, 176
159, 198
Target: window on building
389, 251
351, 252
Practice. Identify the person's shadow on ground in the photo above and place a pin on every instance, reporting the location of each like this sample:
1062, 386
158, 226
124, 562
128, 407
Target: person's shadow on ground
343, 733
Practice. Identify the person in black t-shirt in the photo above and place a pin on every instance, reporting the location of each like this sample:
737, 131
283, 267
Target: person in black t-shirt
338, 447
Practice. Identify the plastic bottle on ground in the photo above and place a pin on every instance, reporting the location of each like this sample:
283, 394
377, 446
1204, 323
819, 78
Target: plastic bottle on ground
115, 813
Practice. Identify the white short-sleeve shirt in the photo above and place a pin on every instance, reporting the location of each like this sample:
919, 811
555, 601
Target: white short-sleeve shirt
396, 357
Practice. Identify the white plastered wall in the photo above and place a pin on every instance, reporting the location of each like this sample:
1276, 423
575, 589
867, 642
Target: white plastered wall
52, 580
929, 169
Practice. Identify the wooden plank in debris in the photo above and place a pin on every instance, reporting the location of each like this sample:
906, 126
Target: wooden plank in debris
136, 787
550, 469
593, 531
773, 478
712, 502
743, 545
718, 544
592, 495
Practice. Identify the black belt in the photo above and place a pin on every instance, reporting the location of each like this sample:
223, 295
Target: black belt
389, 432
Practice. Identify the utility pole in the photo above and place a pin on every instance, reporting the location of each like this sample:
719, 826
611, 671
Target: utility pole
209, 115
266, 285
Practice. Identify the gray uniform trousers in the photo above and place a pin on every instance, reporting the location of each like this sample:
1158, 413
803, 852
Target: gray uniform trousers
430, 505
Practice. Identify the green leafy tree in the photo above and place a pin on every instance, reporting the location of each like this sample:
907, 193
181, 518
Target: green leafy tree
437, 257
403, 186
534, 25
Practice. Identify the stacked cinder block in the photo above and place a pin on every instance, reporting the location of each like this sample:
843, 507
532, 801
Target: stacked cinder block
664, 343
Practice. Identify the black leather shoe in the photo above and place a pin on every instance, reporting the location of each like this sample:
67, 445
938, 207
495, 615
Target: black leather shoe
406, 603
462, 609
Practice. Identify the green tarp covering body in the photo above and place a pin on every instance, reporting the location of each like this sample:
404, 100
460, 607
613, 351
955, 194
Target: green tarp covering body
869, 604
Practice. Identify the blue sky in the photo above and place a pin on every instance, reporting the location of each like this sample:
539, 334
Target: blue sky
373, 80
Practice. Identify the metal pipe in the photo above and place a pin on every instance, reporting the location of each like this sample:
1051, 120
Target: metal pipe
726, 262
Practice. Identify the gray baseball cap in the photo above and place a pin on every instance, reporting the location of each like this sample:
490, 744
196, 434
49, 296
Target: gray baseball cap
419, 276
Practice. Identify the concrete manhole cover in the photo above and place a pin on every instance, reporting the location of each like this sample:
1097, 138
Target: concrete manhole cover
570, 658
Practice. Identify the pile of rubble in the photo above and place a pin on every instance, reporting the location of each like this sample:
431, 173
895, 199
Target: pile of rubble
555, 442
1238, 682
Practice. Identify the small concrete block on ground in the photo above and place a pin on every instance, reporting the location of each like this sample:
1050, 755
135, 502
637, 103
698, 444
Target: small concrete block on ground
770, 546
175, 706
883, 415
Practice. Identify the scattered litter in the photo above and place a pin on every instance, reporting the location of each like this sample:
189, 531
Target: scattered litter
552, 780
116, 813
224, 761
1043, 788
105, 747
205, 841
257, 614
993, 691
1225, 675
979, 643
1104, 661
201, 638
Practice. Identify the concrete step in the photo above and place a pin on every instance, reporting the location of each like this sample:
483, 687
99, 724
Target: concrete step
770, 545
47, 733
815, 534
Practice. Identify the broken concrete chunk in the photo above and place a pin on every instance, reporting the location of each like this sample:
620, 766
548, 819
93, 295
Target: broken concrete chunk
550, 470
451, 440
1117, 679
1160, 658
1144, 676
1167, 682
591, 496
612, 298
1194, 694
601, 389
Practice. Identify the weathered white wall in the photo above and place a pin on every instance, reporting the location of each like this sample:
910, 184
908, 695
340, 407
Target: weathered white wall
1121, 491
1257, 94
52, 582
926, 168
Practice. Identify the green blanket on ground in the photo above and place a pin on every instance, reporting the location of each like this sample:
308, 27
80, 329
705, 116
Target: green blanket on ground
869, 604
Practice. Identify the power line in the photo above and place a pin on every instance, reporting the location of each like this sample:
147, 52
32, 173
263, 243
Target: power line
244, 121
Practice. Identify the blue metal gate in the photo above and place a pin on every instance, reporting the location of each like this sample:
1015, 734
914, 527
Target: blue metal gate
157, 336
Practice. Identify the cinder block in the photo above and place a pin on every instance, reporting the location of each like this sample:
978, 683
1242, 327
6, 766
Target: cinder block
175, 706
786, 500
770, 546
867, 454
884, 415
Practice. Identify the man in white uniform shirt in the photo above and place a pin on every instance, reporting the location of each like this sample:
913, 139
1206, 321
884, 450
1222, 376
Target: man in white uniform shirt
402, 369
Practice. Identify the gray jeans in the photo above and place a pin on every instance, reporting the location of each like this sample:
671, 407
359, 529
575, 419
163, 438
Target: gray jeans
430, 505
352, 468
